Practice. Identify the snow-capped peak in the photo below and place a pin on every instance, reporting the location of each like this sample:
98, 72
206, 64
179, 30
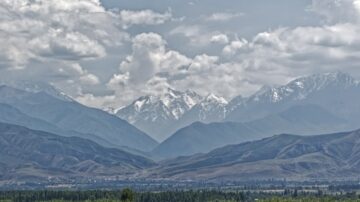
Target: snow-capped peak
166, 105
320, 81
212, 98
138, 104
302, 87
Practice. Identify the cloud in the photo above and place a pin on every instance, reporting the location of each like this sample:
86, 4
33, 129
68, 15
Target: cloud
148, 59
51, 41
220, 38
206, 74
245, 64
197, 35
89, 51
89, 79
152, 67
223, 16
337, 11
143, 17
234, 47
187, 30
58, 44
269, 58
287, 53
92, 100
55, 30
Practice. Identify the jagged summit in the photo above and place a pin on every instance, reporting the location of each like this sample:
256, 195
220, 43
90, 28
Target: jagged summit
212, 98
169, 110
169, 104
321, 89
302, 87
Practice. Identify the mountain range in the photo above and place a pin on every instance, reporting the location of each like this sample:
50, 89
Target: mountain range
30, 155
292, 157
161, 117
39, 157
336, 92
201, 138
44, 132
42, 111
320, 103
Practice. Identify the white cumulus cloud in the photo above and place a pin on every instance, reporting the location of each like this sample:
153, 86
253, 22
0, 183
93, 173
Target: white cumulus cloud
220, 38
143, 17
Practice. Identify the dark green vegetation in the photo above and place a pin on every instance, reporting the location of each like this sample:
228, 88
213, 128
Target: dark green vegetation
127, 195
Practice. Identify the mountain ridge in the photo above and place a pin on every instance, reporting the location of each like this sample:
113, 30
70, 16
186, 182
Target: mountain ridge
162, 115
329, 90
294, 157
314, 89
92, 123
30, 154
200, 137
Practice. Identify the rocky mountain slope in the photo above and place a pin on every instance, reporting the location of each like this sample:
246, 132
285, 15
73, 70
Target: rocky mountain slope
162, 115
200, 137
337, 93
29, 154
324, 157
68, 115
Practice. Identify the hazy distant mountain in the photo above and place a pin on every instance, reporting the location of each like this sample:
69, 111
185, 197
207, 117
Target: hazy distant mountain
302, 120
334, 156
337, 93
162, 115
11, 115
199, 137
67, 115
36, 87
28, 154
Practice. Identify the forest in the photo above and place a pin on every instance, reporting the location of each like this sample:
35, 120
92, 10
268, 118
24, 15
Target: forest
128, 195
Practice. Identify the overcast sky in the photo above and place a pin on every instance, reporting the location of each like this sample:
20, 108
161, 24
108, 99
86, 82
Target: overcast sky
107, 53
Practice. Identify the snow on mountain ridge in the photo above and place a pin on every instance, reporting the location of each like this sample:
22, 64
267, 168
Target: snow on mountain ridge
314, 88
212, 98
174, 104
212, 108
300, 88
161, 115
170, 104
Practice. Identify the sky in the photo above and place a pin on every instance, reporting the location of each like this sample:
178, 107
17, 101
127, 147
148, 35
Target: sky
108, 53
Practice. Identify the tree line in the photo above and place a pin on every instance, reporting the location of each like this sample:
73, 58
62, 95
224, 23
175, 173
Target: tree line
128, 195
